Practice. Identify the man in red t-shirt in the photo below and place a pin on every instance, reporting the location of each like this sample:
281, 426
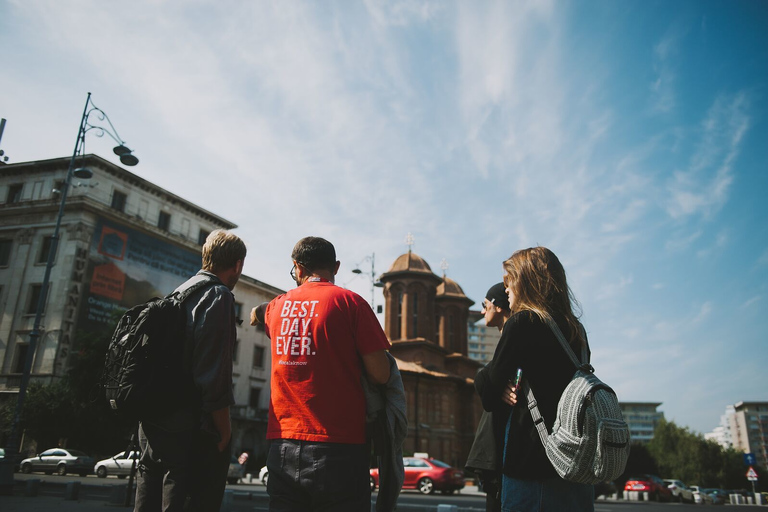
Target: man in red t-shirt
324, 340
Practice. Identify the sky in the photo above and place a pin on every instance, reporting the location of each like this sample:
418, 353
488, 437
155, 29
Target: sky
631, 138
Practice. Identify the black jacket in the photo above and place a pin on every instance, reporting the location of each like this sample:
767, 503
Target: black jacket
528, 343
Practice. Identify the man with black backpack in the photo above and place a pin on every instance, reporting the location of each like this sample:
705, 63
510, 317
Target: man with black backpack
185, 449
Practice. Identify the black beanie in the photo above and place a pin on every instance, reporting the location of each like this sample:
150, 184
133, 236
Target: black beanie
497, 296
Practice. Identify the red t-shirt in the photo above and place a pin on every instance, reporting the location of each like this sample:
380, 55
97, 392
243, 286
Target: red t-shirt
319, 332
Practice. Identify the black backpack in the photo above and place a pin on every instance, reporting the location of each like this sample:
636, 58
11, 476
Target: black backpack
147, 371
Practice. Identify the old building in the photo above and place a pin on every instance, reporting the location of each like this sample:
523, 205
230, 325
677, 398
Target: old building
426, 321
123, 240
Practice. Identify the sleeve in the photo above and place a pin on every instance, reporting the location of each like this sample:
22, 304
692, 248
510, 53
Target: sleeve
213, 319
369, 336
491, 379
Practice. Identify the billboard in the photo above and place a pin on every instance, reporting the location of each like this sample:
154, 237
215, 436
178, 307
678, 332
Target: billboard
126, 267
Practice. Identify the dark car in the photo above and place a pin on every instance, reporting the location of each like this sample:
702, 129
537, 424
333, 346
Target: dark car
60, 461
655, 487
427, 476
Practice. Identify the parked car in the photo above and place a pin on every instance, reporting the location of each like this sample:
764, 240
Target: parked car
59, 460
700, 497
427, 476
719, 496
235, 472
680, 492
119, 465
264, 475
655, 487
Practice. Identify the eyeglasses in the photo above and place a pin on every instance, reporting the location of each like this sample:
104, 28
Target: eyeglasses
293, 273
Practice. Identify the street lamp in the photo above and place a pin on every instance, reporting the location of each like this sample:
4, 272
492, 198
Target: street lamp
127, 158
372, 276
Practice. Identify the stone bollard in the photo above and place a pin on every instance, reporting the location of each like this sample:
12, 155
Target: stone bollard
72, 492
33, 488
447, 508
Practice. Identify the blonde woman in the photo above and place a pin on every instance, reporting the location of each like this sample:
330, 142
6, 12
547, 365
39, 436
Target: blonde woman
537, 289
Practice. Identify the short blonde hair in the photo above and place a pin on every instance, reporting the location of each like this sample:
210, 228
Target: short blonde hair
222, 250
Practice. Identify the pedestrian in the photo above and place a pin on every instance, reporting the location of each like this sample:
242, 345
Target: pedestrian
536, 285
483, 456
324, 340
185, 454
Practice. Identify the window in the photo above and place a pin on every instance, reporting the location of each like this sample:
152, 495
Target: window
238, 311
202, 236
235, 351
399, 324
258, 356
415, 317
118, 200
5, 252
34, 299
14, 193
45, 248
164, 221
21, 357
253, 399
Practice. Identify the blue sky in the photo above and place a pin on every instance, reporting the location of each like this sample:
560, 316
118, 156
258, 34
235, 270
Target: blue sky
629, 137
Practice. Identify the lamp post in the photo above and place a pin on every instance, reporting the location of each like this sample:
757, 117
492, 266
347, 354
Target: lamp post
127, 158
372, 276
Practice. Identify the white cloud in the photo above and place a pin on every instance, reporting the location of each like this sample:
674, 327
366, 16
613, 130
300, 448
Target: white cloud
703, 188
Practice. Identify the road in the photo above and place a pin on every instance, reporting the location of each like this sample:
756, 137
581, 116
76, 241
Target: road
251, 497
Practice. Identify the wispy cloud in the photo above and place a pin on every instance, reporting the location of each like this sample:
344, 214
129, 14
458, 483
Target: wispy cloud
703, 187
662, 89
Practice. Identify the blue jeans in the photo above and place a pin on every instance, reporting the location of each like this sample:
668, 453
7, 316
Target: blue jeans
308, 476
551, 495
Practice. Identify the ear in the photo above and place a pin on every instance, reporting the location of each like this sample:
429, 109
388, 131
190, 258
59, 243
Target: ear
336, 270
239, 266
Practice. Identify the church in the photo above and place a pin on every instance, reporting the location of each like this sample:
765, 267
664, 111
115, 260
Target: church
426, 319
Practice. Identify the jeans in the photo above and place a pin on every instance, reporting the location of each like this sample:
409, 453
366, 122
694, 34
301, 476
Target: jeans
180, 471
309, 476
551, 495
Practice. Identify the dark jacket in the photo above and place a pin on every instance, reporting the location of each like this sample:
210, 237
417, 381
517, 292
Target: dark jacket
528, 343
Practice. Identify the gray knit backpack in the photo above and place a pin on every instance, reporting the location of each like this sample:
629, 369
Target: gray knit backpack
589, 442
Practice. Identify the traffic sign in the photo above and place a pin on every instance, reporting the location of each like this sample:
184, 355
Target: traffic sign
750, 459
752, 474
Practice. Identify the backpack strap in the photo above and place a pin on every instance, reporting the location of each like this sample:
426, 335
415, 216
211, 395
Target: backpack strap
194, 284
533, 406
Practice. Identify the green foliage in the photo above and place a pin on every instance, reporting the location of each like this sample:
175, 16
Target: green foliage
687, 456
73, 410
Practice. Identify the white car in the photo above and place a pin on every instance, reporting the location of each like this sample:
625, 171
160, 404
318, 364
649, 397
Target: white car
119, 465
680, 491
264, 475
59, 460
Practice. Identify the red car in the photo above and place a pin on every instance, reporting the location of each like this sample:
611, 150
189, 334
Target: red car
655, 487
427, 476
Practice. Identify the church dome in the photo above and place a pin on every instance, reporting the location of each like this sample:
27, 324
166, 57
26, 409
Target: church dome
410, 262
450, 288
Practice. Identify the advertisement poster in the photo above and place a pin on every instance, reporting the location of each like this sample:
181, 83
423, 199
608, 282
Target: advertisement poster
127, 267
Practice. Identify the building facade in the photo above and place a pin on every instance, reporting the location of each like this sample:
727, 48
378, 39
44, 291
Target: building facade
482, 339
122, 241
642, 418
426, 320
748, 429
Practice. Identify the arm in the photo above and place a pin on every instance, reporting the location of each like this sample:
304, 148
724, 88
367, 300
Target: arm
376, 366
223, 426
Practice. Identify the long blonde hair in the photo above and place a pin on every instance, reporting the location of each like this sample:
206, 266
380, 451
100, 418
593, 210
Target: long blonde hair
537, 279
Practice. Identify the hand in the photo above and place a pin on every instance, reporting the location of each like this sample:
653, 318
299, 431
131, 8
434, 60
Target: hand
509, 396
257, 313
224, 442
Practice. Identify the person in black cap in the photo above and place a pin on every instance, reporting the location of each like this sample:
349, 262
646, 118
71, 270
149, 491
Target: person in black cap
483, 457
